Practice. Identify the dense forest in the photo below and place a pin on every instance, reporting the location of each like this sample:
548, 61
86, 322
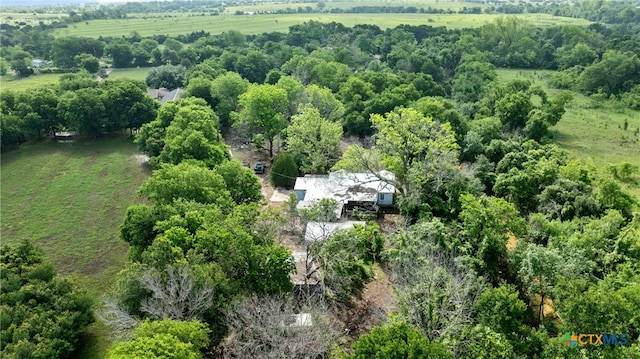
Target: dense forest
503, 244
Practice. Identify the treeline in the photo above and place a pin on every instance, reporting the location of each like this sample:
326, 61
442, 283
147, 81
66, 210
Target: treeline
78, 104
393, 67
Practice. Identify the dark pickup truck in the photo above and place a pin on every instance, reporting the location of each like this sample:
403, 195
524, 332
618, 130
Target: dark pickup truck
259, 168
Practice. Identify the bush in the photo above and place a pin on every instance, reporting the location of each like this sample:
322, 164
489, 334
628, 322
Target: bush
398, 340
284, 171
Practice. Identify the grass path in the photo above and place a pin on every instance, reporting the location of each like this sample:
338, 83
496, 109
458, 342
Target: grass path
69, 199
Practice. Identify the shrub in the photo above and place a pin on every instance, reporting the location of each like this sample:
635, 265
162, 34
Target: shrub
284, 171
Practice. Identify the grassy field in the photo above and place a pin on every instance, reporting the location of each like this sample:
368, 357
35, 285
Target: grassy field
134, 74
256, 24
594, 135
12, 83
453, 5
31, 18
69, 199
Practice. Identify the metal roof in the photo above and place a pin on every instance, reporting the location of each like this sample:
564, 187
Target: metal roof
344, 186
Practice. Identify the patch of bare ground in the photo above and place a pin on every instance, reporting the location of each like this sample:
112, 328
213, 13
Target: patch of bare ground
371, 309
143, 161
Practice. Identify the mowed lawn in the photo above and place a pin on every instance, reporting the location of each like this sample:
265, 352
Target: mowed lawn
176, 24
593, 135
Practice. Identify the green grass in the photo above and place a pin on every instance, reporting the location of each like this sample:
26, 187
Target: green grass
25, 83
12, 83
31, 18
256, 24
69, 199
350, 4
133, 74
593, 135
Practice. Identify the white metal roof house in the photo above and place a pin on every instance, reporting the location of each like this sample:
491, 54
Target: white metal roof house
350, 189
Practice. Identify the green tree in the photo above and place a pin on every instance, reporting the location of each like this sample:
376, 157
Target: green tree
193, 135
486, 226
65, 49
617, 72
167, 76
126, 104
324, 100
580, 55
254, 66
120, 52
83, 111
284, 170
418, 150
313, 141
187, 181
88, 62
225, 92
262, 109
4, 66
502, 310
241, 182
345, 260
21, 62
397, 340
513, 110
164, 339
43, 315
539, 270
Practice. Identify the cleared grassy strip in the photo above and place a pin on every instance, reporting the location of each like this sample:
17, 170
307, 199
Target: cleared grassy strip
69, 199
594, 135
256, 24
20, 84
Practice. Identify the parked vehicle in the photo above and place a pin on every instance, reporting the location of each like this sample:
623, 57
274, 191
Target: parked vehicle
259, 168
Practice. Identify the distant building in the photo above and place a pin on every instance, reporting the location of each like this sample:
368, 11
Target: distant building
38, 63
350, 190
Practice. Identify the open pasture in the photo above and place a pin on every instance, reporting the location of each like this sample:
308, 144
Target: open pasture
179, 23
344, 5
69, 199
14, 83
593, 133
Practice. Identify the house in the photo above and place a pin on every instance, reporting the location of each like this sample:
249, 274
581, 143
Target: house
350, 190
319, 231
